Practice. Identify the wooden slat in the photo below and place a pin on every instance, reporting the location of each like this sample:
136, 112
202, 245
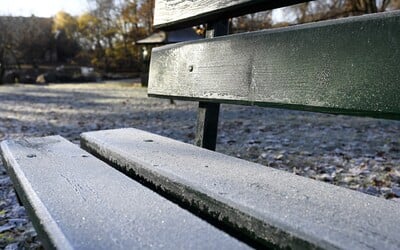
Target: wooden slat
346, 66
78, 202
172, 14
267, 204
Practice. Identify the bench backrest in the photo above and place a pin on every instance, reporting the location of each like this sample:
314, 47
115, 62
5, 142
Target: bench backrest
346, 66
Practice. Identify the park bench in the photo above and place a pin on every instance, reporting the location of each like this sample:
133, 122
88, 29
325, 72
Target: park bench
169, 194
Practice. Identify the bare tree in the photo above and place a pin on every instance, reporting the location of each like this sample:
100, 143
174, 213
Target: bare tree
252, 22
330, 9
9, 41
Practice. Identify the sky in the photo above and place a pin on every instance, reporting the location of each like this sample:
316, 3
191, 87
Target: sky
42, 8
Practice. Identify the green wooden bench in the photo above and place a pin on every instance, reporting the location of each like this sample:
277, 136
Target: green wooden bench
184, 196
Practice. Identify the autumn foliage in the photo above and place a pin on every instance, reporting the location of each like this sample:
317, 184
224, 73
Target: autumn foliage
106, 34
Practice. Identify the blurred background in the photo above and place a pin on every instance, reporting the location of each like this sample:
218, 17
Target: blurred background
87, 40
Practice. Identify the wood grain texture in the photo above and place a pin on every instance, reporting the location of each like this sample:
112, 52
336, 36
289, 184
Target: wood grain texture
77, 201
271, 205
172, 14
348, 66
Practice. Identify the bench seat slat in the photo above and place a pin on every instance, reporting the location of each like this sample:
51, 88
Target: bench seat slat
172, 14
79, 202
348, 66
272, 205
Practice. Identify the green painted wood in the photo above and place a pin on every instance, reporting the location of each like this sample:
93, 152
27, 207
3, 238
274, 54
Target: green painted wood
77, 201
170, 14
348, 66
